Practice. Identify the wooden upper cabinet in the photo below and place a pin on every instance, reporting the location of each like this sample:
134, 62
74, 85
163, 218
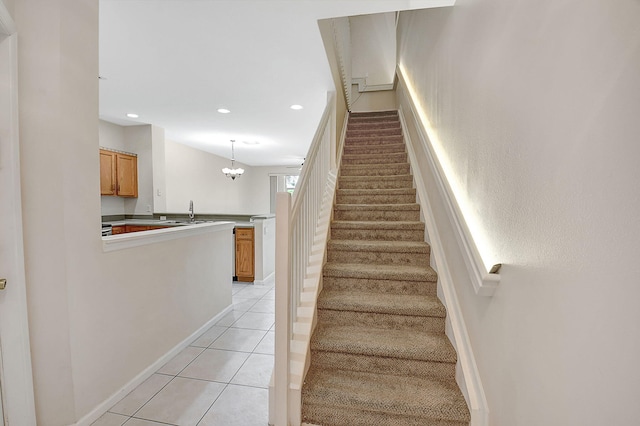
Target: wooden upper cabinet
107, 173
118, 174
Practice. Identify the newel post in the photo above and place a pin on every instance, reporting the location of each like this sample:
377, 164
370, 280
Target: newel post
283, 312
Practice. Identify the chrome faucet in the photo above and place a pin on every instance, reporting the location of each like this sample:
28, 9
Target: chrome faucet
191, 215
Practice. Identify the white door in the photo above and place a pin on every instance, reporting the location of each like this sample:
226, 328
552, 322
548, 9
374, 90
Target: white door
16, 383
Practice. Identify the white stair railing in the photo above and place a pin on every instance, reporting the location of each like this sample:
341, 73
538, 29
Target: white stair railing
302, 223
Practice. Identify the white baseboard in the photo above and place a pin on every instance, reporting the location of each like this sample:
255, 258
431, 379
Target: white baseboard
104, 406
269, 277
467, 374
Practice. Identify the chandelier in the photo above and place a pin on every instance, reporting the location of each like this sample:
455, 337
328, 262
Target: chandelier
232, 172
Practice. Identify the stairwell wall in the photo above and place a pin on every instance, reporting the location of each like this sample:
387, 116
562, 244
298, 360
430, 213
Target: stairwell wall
537, 139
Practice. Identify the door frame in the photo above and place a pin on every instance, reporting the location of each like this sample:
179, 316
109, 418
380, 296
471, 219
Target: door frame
15, 350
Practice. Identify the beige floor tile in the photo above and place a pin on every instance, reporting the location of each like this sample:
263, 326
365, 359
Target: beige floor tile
229, 318
110, 419
209, 336
265, 306
140, 395
256, 371
270, 295
242, 304
215, 365
180, 361
238, 339
253, 292
267, 344
140, 422
182, 402
239, 406
255, 321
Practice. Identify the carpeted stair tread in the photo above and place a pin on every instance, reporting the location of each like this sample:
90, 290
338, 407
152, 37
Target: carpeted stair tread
378, 207
384, 191
380, 272
373, 224
378, 159
341, 416
371, 140
379, 393
352, 149
409, 344
393, 304
374, 170
374, 182
380, 246
387, 124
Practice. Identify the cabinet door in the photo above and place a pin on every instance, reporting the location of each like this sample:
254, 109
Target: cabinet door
127, 168
107, 173
244, 254
120, 229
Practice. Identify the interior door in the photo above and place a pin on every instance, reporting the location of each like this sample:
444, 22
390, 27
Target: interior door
16, 383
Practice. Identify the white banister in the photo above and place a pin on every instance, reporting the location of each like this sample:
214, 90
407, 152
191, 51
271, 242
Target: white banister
301, 233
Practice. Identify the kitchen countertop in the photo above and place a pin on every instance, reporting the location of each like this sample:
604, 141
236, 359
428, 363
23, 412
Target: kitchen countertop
152, 222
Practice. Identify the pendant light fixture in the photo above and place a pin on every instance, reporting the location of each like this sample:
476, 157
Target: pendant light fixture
232, 172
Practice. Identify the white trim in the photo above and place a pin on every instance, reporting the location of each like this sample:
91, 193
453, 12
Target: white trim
363, 87
136, 239
484, 283
104, 406
269, 277
467, 373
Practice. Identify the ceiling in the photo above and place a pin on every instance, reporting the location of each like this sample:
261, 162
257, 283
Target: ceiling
176, 62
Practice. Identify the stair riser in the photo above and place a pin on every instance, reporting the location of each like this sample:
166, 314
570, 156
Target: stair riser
376, 215
371, 140
377, 234
380, 159
374, 133
376, 199
373, 125
397, 366
377, 115
376, 320
377, 183
374, 149
375, 170
332, 415
422, 288
376, 257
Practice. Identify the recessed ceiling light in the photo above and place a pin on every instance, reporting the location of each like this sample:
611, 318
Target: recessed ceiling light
223, 111
296, 107
251, 142
132, 115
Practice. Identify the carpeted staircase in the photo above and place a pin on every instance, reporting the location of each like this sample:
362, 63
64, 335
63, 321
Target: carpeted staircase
379, 355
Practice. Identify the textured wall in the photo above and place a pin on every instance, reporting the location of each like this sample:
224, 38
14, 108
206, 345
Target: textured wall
534, 104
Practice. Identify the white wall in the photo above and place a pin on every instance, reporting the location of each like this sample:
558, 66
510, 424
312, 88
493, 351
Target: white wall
196, 175
139, 140
96, 319
111, 136
534, 106
373, 48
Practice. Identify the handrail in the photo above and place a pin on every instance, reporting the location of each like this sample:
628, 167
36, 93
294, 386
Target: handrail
298, 219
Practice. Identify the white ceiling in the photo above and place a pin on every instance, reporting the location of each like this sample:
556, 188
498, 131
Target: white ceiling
175, 62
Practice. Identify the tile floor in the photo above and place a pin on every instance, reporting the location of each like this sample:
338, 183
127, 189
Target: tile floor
222, 378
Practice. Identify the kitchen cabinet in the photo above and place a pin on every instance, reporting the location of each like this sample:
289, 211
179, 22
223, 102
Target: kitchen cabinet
120, 229
125, 229
118, 174
245, 254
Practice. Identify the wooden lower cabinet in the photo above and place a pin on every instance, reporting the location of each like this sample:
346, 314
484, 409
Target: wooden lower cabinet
123, 229
245, 255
